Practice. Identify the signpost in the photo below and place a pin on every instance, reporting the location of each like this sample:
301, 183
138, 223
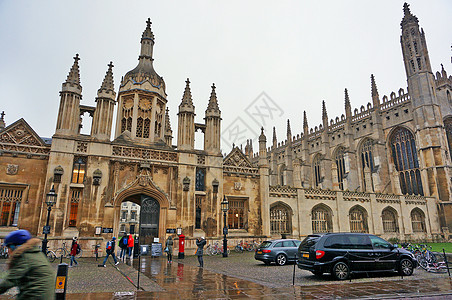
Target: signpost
171, 230
46, 229
107, 230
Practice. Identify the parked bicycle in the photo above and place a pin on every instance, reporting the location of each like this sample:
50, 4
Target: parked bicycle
428, 260
63, 251
239, 247
51, 256
4, 252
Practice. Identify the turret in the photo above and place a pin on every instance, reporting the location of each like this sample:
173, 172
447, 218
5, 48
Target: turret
105, 103
186, 121
262, 149
68, 122
168, 131
213, 125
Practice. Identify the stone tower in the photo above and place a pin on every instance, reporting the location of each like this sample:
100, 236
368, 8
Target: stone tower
213, 125
68, 122
430, 134
142, 98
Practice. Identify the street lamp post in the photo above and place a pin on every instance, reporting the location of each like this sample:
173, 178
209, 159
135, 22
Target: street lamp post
50, 201
225, 208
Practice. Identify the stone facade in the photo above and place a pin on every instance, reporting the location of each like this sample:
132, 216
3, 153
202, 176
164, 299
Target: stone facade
384, 168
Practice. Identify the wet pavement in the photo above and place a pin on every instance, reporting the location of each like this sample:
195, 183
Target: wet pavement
183, 280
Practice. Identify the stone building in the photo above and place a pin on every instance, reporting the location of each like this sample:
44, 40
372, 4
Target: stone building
383, 168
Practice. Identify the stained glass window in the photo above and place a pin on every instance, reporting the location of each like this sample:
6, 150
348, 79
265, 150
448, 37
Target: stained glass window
321, 220
358, 220
280, 221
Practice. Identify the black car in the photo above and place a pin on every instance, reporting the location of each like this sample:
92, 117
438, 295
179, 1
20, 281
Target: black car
344, 253
278, 251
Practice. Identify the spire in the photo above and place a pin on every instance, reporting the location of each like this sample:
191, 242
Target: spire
324, 113
73, 78
289, 132
147, 41
407, 16
187, 100
107, 84
2, 120
347, 100
213, 102
274, 136
262, 137
305, 122
375, 96
167, 121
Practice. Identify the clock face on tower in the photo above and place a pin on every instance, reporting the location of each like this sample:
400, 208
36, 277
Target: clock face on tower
145, 104
128, 103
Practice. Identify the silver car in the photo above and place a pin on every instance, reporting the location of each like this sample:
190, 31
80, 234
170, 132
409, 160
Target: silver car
278, 251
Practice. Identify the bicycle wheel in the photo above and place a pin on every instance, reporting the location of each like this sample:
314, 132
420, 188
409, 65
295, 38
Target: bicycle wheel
422, 262
51, 256
437, 268
79, 254
60, 252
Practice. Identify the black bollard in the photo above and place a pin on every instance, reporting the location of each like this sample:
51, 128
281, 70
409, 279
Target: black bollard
293, 277
61, 281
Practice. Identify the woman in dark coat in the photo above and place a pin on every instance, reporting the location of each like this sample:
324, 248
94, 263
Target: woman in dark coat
169, 246
200, 242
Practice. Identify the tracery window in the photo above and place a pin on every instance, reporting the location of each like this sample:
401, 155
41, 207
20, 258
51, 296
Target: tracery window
237, 214
404, 154
448, 128
389, 218
127, 113
79, 170
76, 195
280, 221
367, 159
144, 117
200, 184
418, 220
317, 171
358, 219
10, 200
321, 219
340, 165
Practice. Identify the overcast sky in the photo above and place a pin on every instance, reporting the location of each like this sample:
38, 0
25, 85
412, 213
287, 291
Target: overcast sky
270, 60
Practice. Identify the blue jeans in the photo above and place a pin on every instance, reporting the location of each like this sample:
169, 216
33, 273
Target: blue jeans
73, 260
123, 253
106, 257
130, 251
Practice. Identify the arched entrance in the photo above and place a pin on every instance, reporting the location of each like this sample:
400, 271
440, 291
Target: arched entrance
149, 219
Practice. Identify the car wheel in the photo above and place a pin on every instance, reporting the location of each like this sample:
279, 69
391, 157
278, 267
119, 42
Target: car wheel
340, 271
281, 260
406, 267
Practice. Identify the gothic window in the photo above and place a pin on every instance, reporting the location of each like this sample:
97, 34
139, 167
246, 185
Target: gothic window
76, 195
133, 215
317, 171
367, 160
418, 220
200, 179
404, 155
122, 228
280, 219
389, 218
79, 170
358, 219
127, 113
124, 215
340, 165
146, 128
237, 214
139, 127
448, 128
198, 205
10, 199
321, 219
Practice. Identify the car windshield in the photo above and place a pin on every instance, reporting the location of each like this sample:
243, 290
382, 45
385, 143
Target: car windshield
308, 242
265, 244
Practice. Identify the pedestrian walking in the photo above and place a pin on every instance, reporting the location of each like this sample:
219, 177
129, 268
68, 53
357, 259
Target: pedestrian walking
123, 242
111, 251
130, 243
200, 242
169, 249
74, 251
28, 268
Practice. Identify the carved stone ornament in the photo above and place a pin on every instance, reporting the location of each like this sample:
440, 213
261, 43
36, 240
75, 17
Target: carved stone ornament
12, 169
143, 180
237, 186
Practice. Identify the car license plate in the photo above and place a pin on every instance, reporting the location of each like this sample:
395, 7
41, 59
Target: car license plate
259, 252
306, 255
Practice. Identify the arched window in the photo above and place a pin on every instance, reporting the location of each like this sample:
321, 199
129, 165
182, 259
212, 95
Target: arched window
448, 128
79, 170
404, 155
418, 220
340, 165
358, 219
367, 160
317, 173
280, 219
389, 218
321, 219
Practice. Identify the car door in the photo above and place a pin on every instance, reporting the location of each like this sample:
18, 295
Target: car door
360, 252
385, 254
290, 249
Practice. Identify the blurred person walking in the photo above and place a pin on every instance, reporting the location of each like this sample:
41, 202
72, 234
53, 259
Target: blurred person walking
111, 251
74, 251
28, 268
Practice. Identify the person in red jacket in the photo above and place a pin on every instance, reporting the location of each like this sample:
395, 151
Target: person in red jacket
130, 242
74, 251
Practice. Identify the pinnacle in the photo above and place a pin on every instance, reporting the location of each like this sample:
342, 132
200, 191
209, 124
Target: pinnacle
262, 137
213, 102
408, 17
108, 83
74, 73
274, 135
147, 33
324, 113
167, 121
347, 99
289, 132
187, 98
373, 86
305, 120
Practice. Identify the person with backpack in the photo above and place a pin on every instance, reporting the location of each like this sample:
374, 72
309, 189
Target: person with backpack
130, 244
28, 268
123, 242
169, 249
75, 249
110, 250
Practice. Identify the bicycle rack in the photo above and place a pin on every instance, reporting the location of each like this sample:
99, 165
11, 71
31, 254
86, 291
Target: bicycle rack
446, 261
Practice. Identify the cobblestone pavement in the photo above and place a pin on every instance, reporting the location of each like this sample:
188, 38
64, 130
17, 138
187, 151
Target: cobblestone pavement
238, 276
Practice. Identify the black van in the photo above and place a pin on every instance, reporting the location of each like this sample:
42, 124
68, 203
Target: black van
344, 253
